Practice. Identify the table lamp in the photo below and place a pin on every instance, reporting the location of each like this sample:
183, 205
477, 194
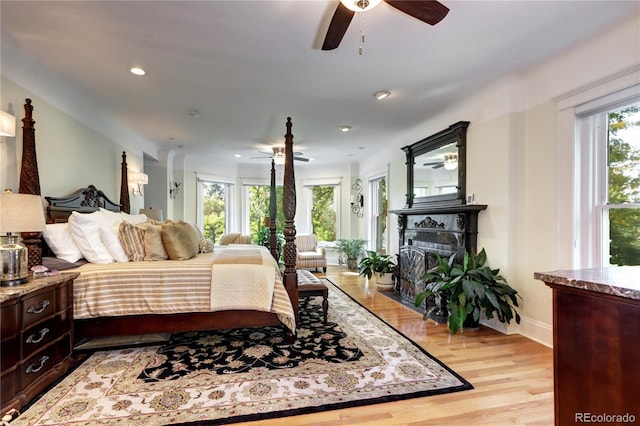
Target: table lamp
18, 213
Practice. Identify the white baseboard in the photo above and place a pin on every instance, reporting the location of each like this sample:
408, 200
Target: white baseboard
529, 328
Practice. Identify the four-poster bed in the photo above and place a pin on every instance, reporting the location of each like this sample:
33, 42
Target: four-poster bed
91, 199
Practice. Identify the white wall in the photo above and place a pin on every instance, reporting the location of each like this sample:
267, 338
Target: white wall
70, 154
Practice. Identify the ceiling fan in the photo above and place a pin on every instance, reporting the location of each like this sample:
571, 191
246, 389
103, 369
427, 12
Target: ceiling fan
428, 11
449, 162
278, 155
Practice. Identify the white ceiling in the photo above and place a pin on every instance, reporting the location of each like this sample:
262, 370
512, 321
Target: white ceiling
247, 65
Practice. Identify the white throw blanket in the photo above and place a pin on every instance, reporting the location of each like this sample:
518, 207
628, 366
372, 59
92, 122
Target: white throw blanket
242, 287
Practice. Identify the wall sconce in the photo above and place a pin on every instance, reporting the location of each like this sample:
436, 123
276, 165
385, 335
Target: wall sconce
19, 213
357, 199
138, 179
7, 124
174, 188
451, 162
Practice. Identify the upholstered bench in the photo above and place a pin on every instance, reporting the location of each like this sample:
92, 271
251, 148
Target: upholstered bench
309, 286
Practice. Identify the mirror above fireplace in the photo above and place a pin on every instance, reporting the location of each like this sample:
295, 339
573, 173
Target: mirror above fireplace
436, 168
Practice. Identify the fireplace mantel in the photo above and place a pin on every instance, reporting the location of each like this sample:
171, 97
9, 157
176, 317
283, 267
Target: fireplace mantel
428, 225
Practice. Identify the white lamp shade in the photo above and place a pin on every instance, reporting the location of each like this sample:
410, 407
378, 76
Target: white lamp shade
7, 124
21, 213
151, 213
138, 177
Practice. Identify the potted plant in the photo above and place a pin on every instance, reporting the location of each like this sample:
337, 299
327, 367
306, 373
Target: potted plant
350, 249
467, 289
380, 265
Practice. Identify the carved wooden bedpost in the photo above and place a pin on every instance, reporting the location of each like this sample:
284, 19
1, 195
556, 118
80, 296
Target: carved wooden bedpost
273, 215
30, 181
125, 206
290, 252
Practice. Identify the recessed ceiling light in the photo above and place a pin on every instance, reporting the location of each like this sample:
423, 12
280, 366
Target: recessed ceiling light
345, 128
237, 155
382, 94
138, 71
194, 112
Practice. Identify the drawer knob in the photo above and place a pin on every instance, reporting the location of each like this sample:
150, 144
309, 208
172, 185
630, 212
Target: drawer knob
33, 369
43, 305
33, 339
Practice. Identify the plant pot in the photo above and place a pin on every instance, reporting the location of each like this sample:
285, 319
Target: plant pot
384, 280
352, 264
470, 324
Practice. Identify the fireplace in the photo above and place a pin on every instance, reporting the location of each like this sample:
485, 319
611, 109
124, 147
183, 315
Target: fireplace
426, 232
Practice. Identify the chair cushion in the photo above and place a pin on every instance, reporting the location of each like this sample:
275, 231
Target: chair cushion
307, 278
306, 242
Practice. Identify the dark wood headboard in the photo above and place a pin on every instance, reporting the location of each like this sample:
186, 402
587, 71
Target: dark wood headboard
85, 200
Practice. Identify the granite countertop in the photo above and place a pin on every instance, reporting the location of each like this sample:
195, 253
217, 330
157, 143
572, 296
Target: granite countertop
7, 293
622, 281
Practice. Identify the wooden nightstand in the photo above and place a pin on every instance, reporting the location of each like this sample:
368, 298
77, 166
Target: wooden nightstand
36, 335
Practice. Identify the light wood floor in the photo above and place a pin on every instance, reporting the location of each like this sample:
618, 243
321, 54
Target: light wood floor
512, 375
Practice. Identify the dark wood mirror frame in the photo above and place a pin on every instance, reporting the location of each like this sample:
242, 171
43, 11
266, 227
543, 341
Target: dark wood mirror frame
456, 133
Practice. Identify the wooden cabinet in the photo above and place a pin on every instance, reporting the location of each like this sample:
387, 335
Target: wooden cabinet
596, 344
36, 336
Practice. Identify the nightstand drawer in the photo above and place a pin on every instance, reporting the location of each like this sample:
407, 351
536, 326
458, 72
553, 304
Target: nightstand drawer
41, 335
41, 362
38, 307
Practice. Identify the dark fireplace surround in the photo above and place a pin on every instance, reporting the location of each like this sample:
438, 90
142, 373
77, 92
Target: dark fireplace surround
427, 231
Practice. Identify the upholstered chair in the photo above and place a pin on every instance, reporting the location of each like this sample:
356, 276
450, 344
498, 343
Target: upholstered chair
234, 238
309, 254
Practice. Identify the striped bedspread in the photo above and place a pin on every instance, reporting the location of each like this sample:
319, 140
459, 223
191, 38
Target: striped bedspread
166, 287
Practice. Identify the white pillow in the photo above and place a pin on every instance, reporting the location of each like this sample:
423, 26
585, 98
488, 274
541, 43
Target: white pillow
85, 231
134, 219
61, 243
110, 239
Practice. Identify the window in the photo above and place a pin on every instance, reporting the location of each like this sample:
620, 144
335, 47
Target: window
323, 212
608, 184
213, 207
378, 214
621, 211
258, 197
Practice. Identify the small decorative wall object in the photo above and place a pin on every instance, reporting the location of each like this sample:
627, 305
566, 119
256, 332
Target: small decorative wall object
174, 189
357, 199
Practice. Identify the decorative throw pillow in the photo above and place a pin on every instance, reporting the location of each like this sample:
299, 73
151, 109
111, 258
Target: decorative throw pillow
59, 240
85, 231
206, 245
153, 244
132, 239
180, 240
135, 219
111, 240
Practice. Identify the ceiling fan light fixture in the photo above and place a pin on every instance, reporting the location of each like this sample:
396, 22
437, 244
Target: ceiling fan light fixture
137, 71
382, 94
360, 5
451, 162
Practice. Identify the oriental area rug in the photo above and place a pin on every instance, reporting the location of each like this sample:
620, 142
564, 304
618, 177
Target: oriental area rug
229, 376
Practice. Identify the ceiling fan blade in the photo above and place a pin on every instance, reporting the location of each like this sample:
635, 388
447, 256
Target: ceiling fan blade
428, 11
301, 159
339, 23
433, 163
437, 166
